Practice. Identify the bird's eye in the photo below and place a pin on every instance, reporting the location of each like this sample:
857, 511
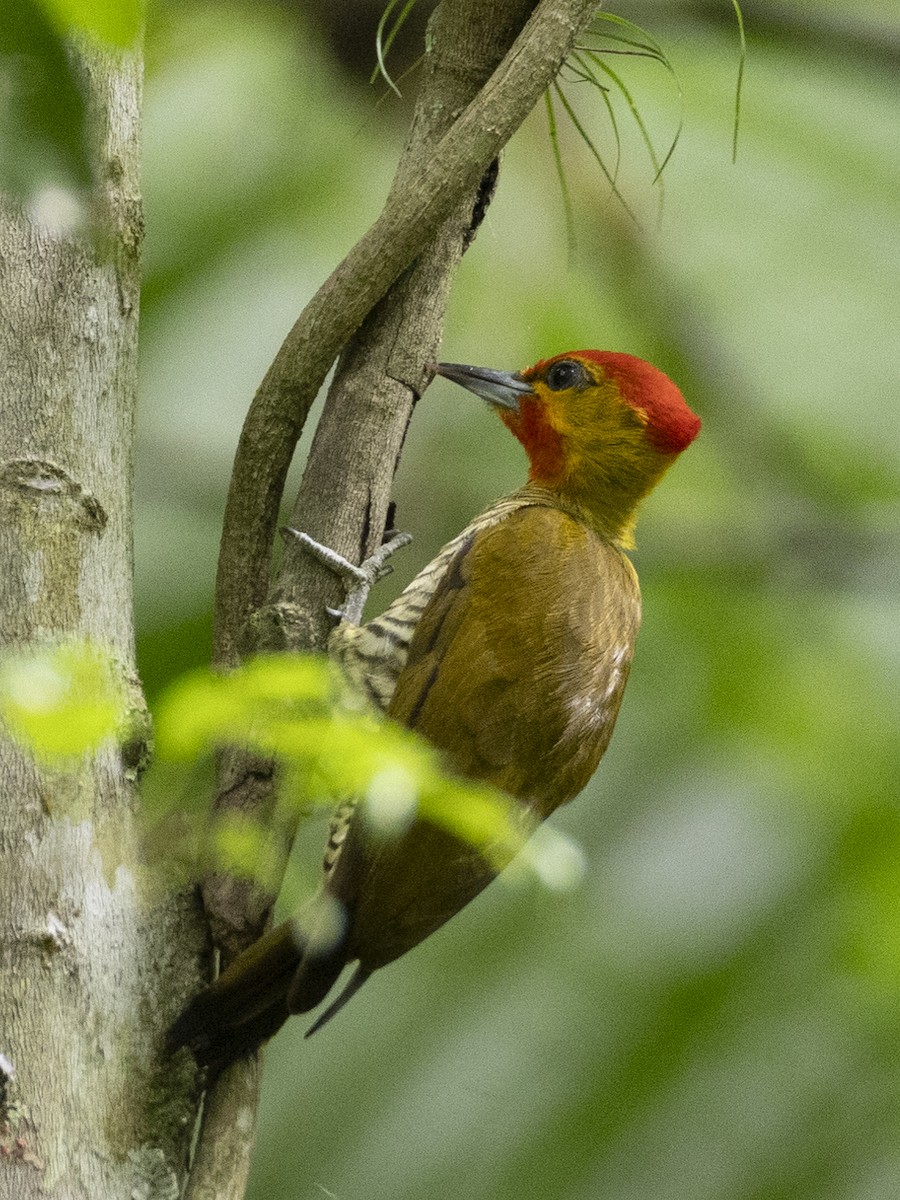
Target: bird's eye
566, 374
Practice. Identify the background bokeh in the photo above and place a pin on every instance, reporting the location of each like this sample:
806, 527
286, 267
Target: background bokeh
713, 1014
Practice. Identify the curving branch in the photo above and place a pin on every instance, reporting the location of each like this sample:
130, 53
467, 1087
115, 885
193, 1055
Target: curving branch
428, 187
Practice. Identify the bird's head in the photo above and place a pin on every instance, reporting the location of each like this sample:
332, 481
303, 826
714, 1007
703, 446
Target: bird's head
600, 428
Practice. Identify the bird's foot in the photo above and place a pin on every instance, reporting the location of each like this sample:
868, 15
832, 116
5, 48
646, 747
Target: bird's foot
357, 580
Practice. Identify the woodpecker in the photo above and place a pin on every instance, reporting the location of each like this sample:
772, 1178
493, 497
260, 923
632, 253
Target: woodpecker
510, 652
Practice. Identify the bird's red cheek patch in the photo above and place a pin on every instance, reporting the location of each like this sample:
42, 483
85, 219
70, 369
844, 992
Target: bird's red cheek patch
543, 443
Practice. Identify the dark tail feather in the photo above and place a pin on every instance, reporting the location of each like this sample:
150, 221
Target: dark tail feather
285, 972
316, 976
357, 979
246, 1005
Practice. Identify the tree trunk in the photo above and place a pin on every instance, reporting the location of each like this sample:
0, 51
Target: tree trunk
93, 962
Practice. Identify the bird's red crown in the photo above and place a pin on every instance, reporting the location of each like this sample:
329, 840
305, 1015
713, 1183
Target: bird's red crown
671, 425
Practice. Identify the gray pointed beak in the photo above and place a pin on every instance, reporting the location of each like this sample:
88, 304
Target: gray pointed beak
503, 388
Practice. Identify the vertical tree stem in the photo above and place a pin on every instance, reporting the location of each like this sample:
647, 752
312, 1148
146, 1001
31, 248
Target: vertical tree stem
91, 968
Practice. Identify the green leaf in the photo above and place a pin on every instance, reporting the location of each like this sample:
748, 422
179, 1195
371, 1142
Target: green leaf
194, 713
117, 22
347, 752
291, 707
284, 679
61, 701
203, 710
41, 106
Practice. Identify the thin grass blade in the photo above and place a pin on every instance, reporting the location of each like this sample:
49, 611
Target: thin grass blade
740, 78
383, 44
560, 170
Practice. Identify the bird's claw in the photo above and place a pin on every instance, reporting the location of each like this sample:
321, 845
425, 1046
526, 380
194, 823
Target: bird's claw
357, 580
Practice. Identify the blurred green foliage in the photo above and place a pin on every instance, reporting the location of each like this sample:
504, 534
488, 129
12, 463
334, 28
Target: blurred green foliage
329, 745
61, 700
41, 107
714, 1014
116, 22
42, 113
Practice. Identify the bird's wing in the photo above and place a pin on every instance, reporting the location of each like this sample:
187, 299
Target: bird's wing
515, 671
522, 653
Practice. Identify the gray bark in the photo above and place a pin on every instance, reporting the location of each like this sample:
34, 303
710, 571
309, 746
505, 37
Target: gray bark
93, 961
